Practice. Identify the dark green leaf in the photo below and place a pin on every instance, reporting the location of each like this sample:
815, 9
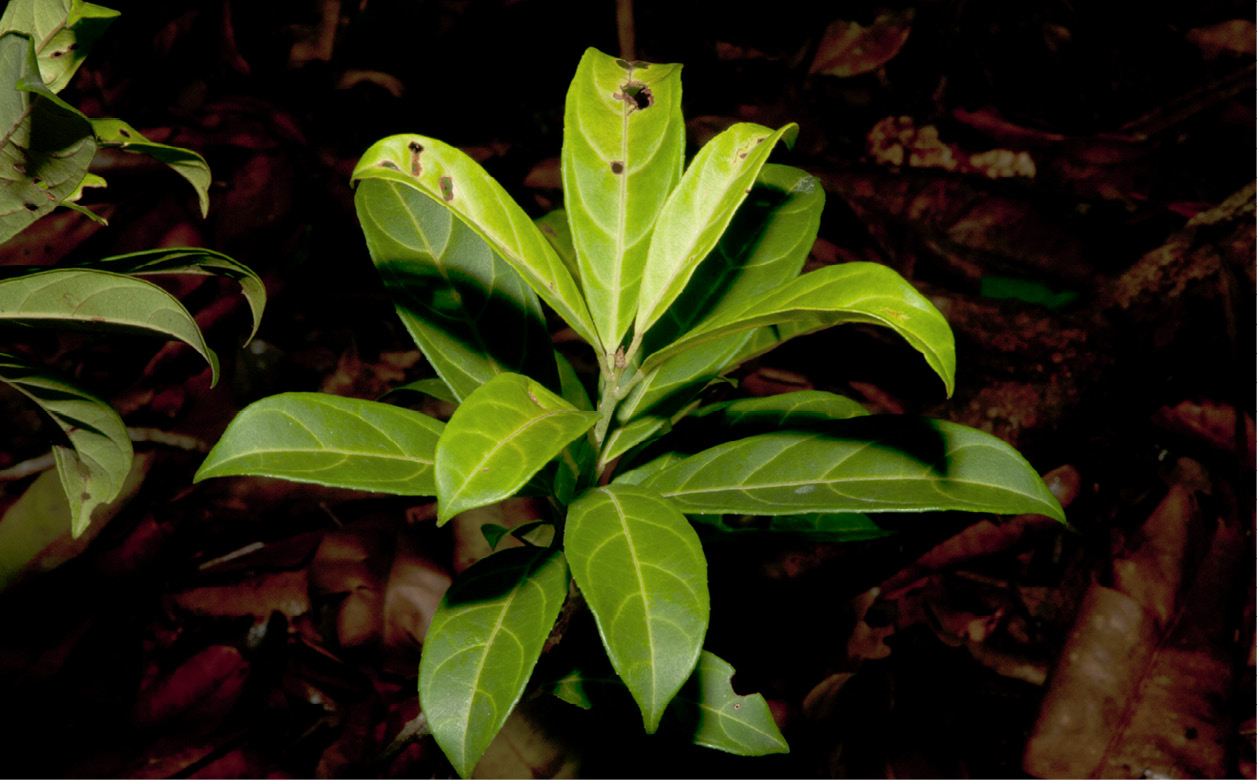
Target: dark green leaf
643, 573
329, 440
816, 527
99, 300
865, 464
471, 315
455, 181
499, 437
185, 162
436, 388
65, 31
485, 639
851, 292
192, 260
46, 145
96, 463
708, 709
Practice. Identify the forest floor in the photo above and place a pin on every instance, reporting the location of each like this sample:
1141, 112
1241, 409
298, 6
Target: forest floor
1073, 189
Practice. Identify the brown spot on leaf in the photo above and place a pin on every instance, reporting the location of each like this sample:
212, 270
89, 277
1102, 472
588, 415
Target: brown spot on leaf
415, 148
637, 95
392, 166
641, 65
31, 207
122, 132
447, 188
624, 64
617, 166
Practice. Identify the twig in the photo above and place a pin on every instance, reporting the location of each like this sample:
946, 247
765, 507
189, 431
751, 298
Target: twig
416, 729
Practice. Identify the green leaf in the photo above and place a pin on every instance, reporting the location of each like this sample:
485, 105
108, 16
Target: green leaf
698, 211
799, 409
715, 716
764, 247
195, 261
642, 570
648, 469
623, 150
329, 440
95, 465
65, 31
99, 300
851, 292
556, 230
453, 180
485, 639
434, 387
45, 144
469, 312
499, 437
815, 527
185, 162
865, 464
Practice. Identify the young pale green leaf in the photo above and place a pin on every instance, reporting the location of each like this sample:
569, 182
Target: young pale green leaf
185, 162
64, 31
851, 292
715, 716
192, 260
485, 639
45, 144
864, 464
642, 570
95, 465
469, 312
623, 150
329, 440
453, 180
698, 211
500, 436
764, 247
99, 300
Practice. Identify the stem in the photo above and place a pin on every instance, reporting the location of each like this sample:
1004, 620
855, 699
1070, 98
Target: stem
625, 27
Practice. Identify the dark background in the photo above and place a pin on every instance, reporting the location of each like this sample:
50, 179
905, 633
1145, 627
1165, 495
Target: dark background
145, 655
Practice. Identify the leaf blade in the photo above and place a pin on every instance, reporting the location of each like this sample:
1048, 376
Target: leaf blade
698, 211
642, 570
864, 464
851, 292
484, 641
91, 299
498, 438
470, 314
192, 260
95, 465
452, 179
717, 717
185, 162
46, 146
623, 150
65, 29
329, 440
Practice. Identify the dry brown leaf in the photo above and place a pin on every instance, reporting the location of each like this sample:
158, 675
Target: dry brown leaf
203, 688
849, 48
254, 594
1234, 38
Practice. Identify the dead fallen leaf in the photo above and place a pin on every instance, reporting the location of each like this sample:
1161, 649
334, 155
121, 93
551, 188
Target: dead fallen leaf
1233, 38
253, 594
850, 48
203, 688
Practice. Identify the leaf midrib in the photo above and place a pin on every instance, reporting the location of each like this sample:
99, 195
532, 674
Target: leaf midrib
641, 584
